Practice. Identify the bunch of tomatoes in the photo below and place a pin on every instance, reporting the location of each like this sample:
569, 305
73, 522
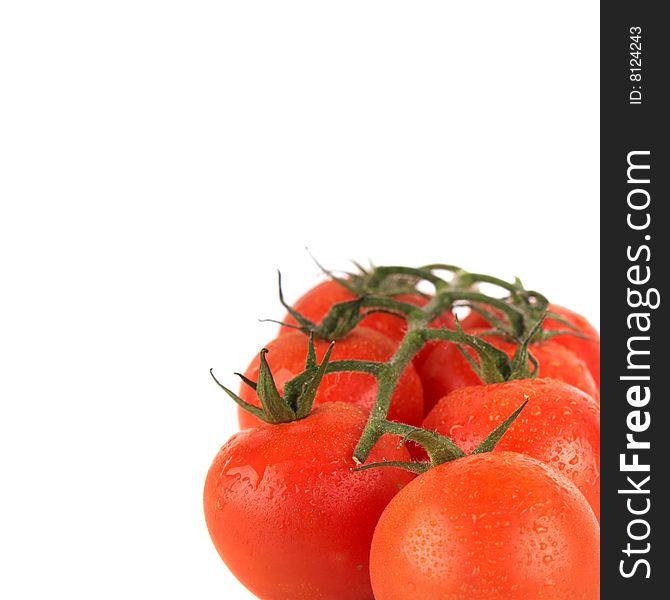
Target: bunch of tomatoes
408, 437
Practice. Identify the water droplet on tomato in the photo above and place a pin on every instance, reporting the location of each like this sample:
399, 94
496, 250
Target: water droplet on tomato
245, 474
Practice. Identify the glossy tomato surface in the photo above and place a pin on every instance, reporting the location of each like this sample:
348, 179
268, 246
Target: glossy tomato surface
289, 516
446, 369
559, 426
496, 526
286, 358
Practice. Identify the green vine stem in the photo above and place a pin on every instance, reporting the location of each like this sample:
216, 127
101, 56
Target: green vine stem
343, 317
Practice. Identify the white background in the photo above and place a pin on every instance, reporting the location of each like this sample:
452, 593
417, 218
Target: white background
160, 160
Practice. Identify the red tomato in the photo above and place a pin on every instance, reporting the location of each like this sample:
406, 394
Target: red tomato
288, 515
286, 358
586, 349
316, 303
445, 369
495, 526
559, 426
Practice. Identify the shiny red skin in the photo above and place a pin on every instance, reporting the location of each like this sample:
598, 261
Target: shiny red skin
559, 426
286, 358
289, 516
496, 526
588, 349
445, 369
316, 303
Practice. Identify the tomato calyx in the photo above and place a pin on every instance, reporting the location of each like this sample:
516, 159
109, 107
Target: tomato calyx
440, 448
493, 367
299, 392
343, 317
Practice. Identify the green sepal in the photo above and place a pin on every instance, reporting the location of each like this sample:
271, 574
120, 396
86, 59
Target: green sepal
340, 319
274, 406
310, 362
306, 396
338, 322
494, 437
249, 382
299, 392
254, 410
303, 322
494, 365
520, 367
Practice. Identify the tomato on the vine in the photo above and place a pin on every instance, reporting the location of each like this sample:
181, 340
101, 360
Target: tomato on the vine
446, 369
289, 516
495, 526
559, 426
286, 358
506, 503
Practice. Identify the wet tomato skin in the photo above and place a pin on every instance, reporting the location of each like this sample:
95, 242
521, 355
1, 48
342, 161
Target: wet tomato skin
286, 358
560, 426
445, 369
289, 516
495, 526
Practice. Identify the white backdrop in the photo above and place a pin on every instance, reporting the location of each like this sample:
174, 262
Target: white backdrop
160, 160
